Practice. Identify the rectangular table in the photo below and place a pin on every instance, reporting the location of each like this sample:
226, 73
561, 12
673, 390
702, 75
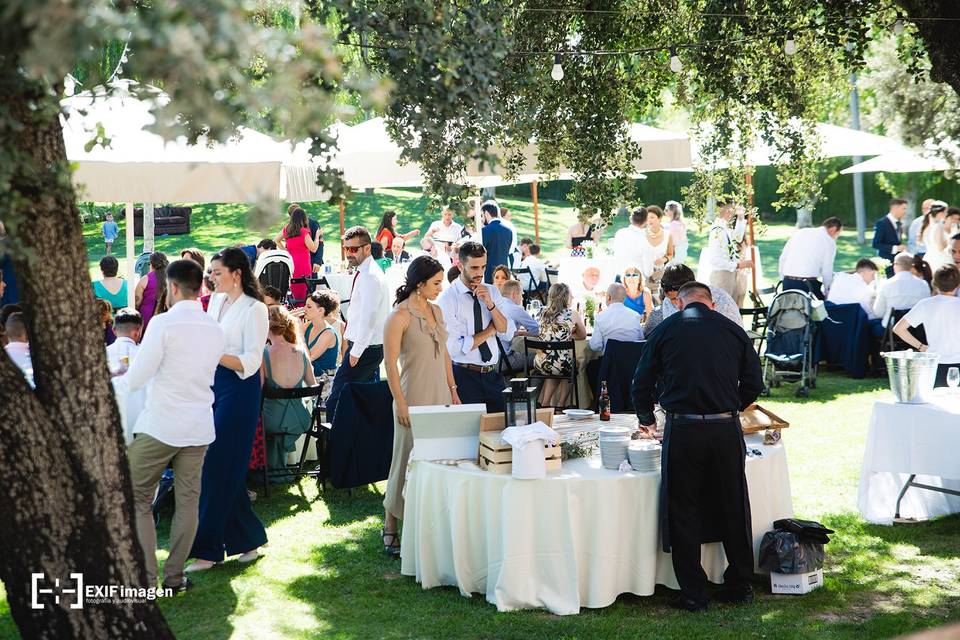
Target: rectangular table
577, 538
910, 445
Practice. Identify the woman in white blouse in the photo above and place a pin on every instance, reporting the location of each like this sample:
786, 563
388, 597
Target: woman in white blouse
228, 524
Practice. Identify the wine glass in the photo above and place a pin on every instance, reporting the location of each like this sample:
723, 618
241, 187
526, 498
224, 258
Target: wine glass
534, 307
953, 378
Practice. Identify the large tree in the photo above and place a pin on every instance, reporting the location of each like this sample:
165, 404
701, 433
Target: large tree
66, 502
472, 77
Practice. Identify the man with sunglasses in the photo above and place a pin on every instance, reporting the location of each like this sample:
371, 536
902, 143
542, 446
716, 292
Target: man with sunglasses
674, 277
366, 314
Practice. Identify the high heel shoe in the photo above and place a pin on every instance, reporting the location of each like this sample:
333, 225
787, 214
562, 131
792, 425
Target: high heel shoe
391, 548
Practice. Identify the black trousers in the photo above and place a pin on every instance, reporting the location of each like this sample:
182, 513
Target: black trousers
474, 387
807, 286
700, 454
367, 370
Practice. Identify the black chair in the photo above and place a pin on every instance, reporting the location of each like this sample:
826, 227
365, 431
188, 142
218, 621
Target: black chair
296, 393
506, 369
530, 289
558, 347
891, 341
758, 315
310, 282
617, 367
553, 275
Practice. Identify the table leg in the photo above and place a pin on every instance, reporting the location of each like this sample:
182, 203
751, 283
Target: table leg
906, 486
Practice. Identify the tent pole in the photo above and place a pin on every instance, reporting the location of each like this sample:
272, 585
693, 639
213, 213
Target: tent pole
343, 206
536, 211
753, 271
131, 257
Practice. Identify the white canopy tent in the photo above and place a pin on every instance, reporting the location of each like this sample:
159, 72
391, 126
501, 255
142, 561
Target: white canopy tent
140, 166
906, 161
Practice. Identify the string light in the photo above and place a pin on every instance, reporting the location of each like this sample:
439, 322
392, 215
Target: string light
557, 72
676, 65
790, 46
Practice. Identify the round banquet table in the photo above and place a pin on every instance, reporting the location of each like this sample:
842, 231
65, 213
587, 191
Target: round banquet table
577, 538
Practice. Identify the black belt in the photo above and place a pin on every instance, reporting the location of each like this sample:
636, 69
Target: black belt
705, 417
799, 278
487, 368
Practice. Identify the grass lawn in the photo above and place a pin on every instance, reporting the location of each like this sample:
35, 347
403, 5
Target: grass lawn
324, 576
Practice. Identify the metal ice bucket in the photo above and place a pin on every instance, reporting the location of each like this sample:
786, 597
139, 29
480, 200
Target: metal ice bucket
912, 375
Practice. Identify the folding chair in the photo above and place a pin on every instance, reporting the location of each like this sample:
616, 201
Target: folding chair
506, 369
758, 315
311, 283
314, 430
530, 290
557, 346
552, 276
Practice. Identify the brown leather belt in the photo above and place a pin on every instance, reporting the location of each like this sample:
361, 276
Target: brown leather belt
704, 417
799, 278
487, 368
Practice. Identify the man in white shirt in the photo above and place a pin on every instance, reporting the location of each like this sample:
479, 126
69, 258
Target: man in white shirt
854, 288
724, 251
538, 270
177, 363
525, 324
472, 311
627, 242
616, 322
369, 306
940, 317
445, 229
902, 291
127, 324
807, 259
18, 345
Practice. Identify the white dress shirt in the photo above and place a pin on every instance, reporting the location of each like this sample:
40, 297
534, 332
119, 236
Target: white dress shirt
446, 233
940, 317
616, 322
902, 291
809, 253
245, 326
628, 247
456, 302
850, 288
19, 352
369, 307
177, 362
538, 272
121, 347
724, 244
133, 401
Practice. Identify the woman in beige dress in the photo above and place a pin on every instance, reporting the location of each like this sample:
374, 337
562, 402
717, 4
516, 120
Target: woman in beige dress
414, 338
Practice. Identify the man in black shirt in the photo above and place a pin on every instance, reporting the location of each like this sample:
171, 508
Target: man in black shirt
707, 371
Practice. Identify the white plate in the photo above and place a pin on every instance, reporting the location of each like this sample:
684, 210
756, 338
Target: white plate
577, 414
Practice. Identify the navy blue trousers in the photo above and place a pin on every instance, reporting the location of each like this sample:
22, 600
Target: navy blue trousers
474, 387
367, 370
227, 521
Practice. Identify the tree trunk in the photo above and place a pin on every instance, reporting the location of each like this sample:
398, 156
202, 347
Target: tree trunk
804, 217
148, 228
66, 498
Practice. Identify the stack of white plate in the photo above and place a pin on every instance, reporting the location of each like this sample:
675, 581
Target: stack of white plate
613, 446
644, 455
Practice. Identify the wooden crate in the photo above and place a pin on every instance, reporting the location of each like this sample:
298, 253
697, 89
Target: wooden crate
497, 421
497, 457
755, 418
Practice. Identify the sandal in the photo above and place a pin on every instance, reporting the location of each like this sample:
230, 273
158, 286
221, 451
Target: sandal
393, 547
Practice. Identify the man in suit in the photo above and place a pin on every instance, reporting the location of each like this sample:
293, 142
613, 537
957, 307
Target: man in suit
497, 239
888, 233
396, 252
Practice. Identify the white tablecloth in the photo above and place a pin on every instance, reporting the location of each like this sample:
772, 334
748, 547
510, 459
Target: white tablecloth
905, 439
578, 538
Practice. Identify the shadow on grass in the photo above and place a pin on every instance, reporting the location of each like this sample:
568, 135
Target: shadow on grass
348, 506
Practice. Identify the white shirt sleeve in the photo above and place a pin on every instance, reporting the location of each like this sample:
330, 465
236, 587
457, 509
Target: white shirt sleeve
783, 258
254, 339
146, 364
880, 304
596, 340
365, 313
459, 335
826, 269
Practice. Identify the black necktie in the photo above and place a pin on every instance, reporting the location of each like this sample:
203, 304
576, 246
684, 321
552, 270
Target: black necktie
485, 352
899, 231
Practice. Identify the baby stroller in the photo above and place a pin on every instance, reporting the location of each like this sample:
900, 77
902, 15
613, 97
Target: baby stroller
790, 334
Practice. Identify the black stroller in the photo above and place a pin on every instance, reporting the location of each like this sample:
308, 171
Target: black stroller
790, 343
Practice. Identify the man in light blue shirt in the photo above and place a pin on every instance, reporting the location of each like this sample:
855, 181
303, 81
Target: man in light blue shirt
472, 311
512, 308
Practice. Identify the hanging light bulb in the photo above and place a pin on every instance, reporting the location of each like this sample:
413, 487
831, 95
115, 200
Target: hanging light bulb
898, 27
676, 65
790, 46
557, 72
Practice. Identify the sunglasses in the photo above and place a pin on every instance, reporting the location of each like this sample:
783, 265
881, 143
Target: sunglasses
631, 275
356, 248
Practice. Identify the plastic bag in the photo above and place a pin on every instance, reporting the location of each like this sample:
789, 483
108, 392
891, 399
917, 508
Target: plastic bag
783, 552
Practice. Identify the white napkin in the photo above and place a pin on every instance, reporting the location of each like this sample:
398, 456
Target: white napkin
518, 437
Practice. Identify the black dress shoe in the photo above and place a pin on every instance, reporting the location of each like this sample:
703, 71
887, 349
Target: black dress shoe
735, 595
689, 604
182, 587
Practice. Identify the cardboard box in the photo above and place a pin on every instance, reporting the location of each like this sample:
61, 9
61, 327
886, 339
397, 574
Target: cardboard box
497, 457
796, 583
